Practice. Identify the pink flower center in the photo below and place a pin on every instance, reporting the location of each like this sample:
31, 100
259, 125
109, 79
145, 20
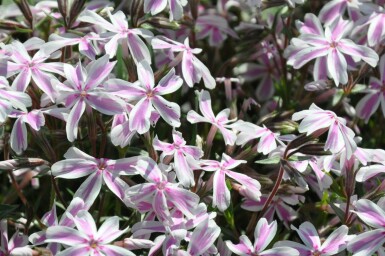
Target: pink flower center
161, 185
333, 44
102, 164
150, 94
93, 244
83, 94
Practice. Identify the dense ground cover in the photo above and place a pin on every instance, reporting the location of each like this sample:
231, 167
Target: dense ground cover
194, 127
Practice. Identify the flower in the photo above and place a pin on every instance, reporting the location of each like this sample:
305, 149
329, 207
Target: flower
375, 95
50, 219
79, 164
220, 120
185, 157
332, 45
192, 68
33, 68
335, 243
215, 28
82, 89
17, 245
34, 118
336, 8
370, 241
156, 6
86, 239
263, 234
248, 131
160, 193
86, 47
318, 120
149, 97
221, 198
11, 99
120, 32
281, 206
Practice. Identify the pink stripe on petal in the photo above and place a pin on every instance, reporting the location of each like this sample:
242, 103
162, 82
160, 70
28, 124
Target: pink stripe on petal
308, 54
115, 184
98, 71
309, 235
155, 6
264, 234
337, 67
76, 250
145, 75
66, 235
370, 213
169, 111
183, 171
336, 241
109, 230
138, 48
183, 199
105, 103
73, 120
73, 168
22, 80
367, 243
368, 105
90, 189
85, 223
169, 83
18, 137
114, 250
140, 116
221, 197
43, 81
376, 30
160, 207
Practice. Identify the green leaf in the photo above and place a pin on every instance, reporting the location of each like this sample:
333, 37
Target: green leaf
121, 71
270, 160
338, 211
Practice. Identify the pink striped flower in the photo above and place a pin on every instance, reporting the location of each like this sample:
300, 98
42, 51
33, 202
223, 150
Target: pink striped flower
221, 198
335, 243
264, 233
215, 28
50, 219
79, 164
33, 68
375, 95
85, 43
149, 97
17, 245
87, 239
11, 99
332, 45
18, 138
121, 33
186, 158
160, 194
156, 6
221, 120
82, 89
336, 8
192, 68
374, 20
248, 131
374, 216
318, 120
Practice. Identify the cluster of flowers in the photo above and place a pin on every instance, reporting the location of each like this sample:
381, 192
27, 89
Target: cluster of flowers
107, 93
